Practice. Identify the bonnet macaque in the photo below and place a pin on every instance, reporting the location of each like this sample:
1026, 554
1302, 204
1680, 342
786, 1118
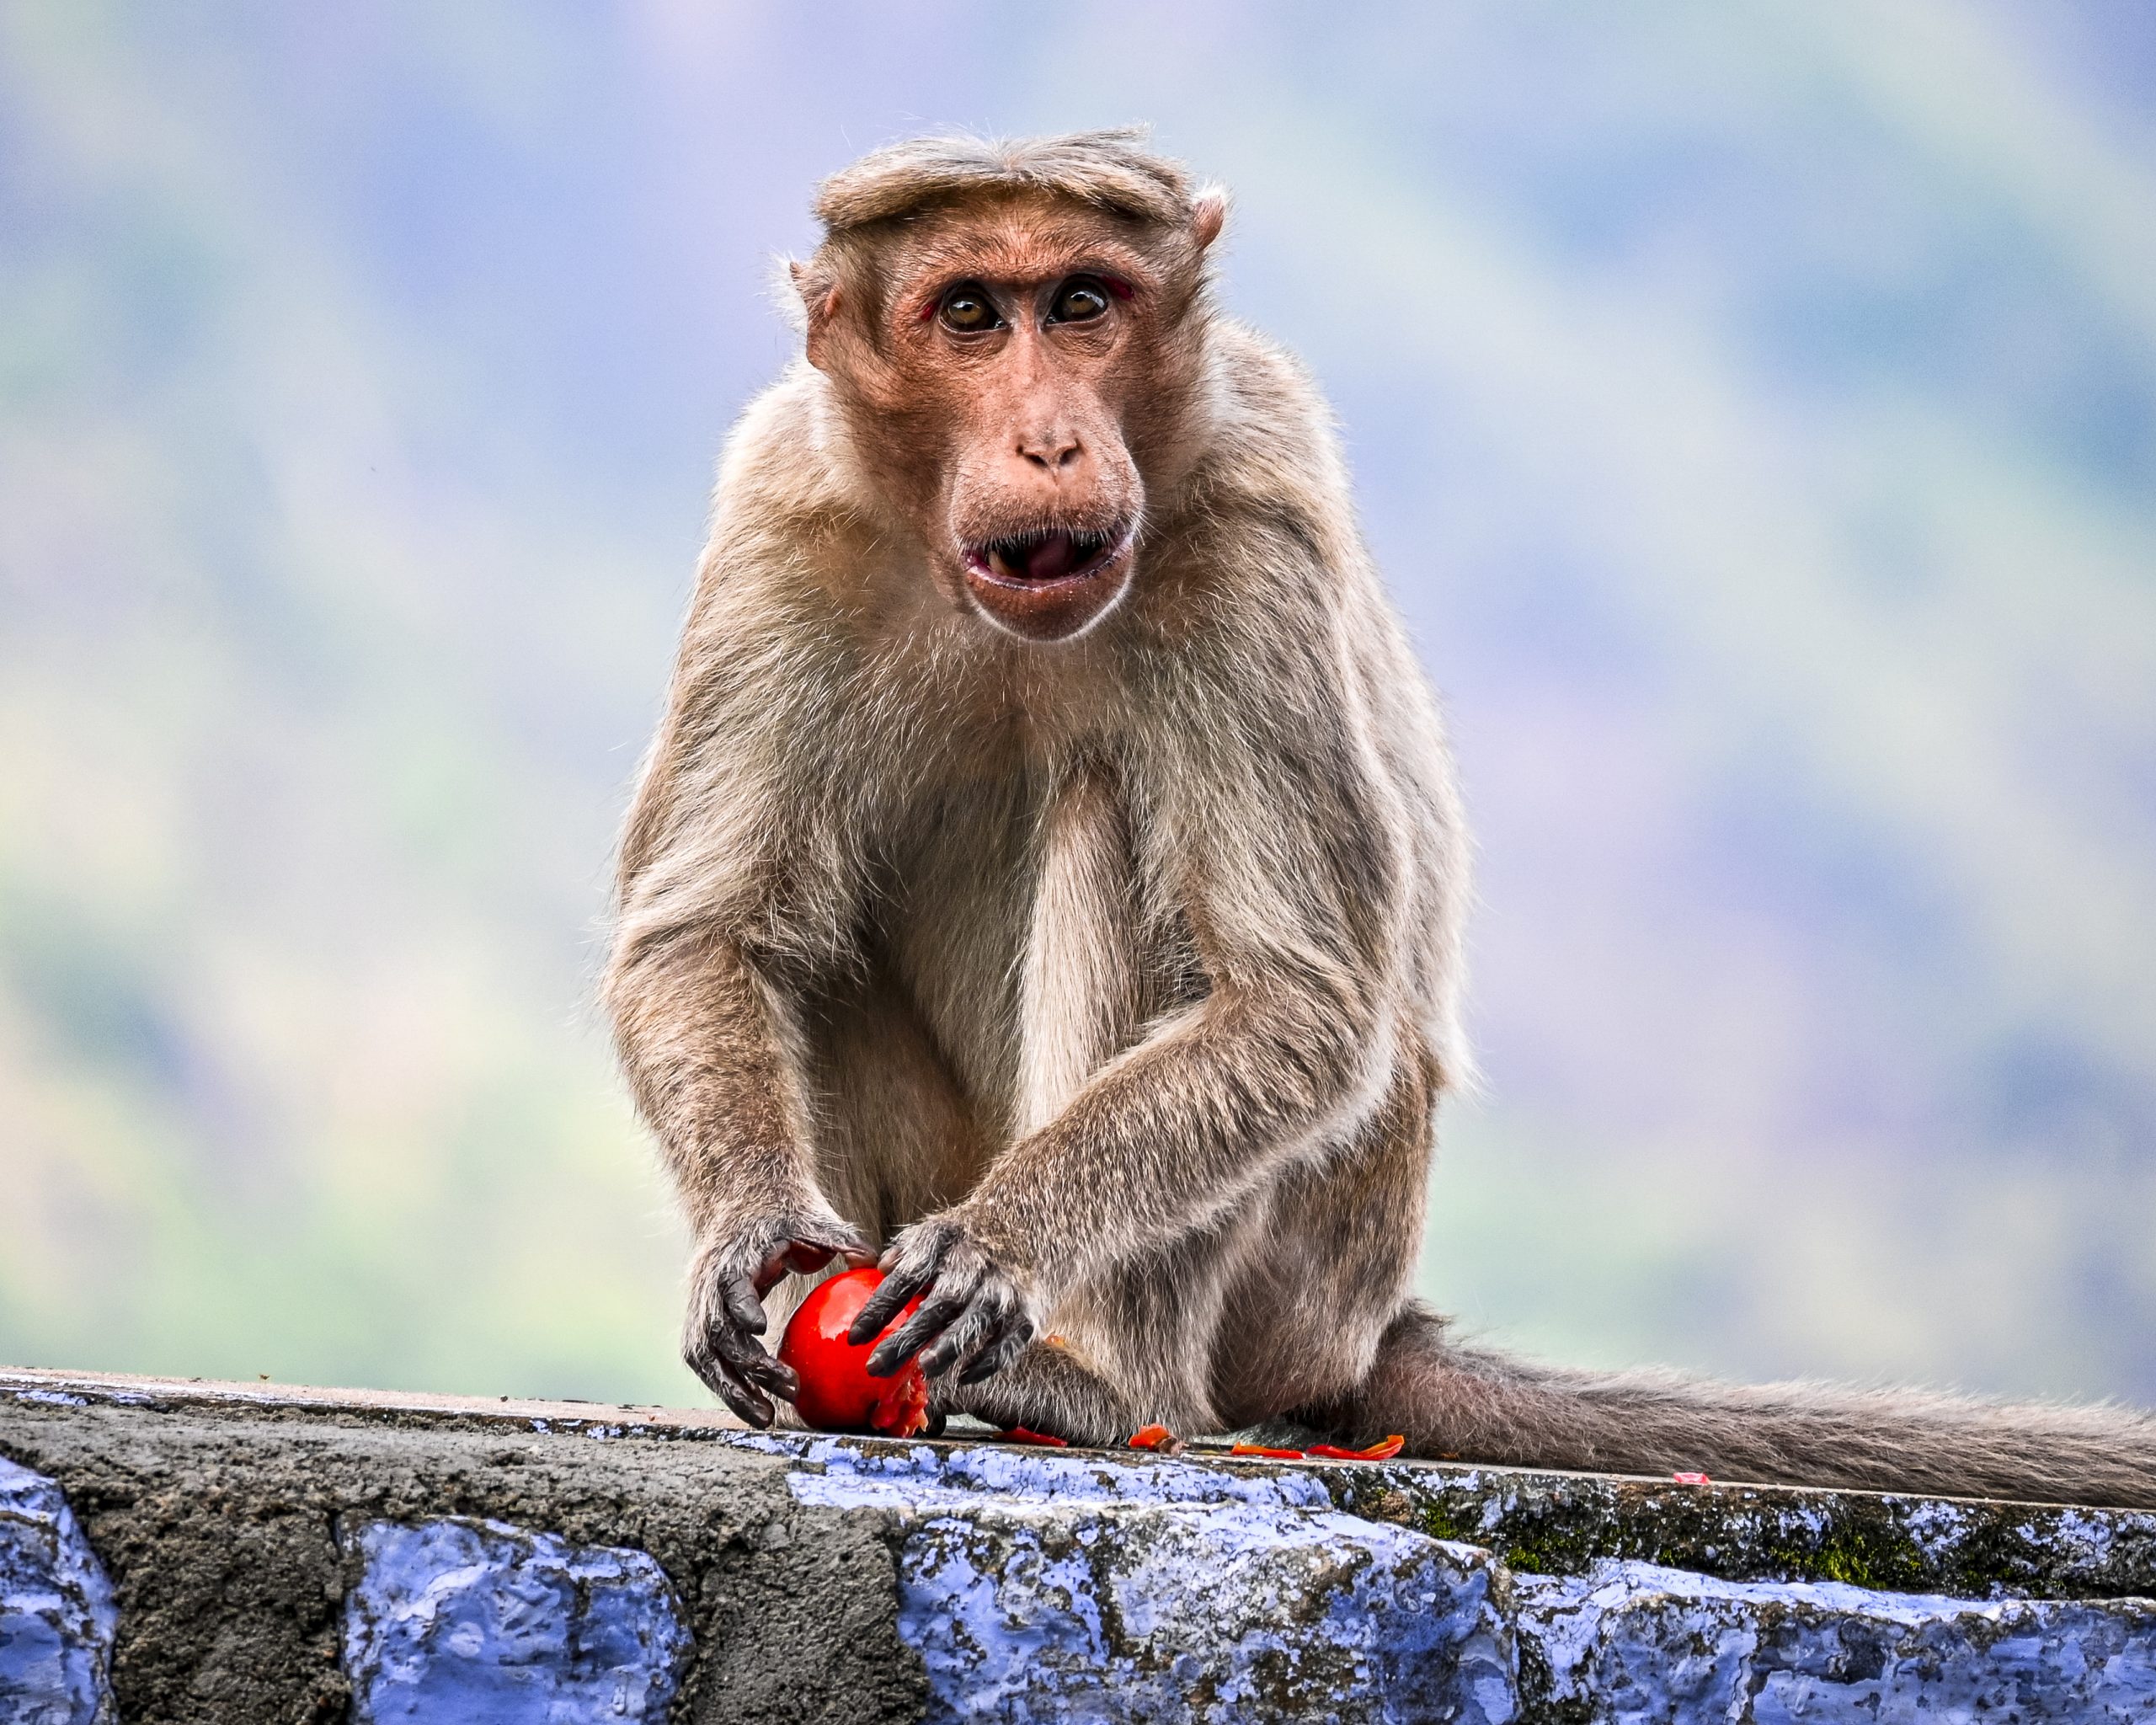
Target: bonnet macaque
1048, 877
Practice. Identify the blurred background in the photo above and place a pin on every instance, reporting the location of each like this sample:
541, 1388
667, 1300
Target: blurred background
1754, 409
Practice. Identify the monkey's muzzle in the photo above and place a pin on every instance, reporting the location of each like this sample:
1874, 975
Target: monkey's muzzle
1050, 556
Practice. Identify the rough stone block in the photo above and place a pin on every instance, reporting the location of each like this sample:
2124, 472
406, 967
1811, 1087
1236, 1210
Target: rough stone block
1040, 1587
56, 1614
463, 1623
1134, 1616
1644, 1645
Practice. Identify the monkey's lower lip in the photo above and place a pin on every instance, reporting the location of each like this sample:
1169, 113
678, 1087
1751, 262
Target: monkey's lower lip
1048, 558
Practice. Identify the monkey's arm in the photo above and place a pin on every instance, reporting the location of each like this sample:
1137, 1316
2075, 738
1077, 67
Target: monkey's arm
703, 1042
701, 987
1162, 1141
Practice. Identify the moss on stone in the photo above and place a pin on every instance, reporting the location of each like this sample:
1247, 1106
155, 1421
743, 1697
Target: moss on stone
1560, 1524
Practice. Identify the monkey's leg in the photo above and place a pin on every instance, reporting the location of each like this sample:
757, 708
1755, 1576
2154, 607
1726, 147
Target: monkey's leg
897, 1136
1051, 1388
1281, 1304
1326, 1263
1134, 1348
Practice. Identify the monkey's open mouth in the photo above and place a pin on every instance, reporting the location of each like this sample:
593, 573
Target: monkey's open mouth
1048, 557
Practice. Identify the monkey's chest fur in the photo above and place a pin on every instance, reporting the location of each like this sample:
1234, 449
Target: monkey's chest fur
953, 926
1008, 951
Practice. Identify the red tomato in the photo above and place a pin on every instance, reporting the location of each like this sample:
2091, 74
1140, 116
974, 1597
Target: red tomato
837, 1394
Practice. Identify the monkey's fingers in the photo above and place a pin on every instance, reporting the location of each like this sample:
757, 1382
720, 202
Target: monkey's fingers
787, 1246
993, 1316
744, 1357
998, 1353
742, 1308
846, 1242
935, 1316
745, 1361
906, 1274
743, 1398
810, 1249
748, 1403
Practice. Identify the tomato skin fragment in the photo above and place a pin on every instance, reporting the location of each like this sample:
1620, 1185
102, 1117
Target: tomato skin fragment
1019, 1434
1268, 1452
1383, 1450
902, 1410
1691, 1479
1150, 1437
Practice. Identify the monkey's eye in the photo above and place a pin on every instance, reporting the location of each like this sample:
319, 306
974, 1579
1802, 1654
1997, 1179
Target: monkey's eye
1079, 300
967, 309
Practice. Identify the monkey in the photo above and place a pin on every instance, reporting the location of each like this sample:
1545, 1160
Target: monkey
1049, 876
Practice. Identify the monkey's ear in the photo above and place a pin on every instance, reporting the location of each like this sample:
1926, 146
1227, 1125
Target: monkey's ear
1208, 214
820, 300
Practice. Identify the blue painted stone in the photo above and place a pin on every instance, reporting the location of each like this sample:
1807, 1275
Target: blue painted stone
56, 1614
477, 1623
843, 1472
1217, 1615
1649, 1645
1045, 1587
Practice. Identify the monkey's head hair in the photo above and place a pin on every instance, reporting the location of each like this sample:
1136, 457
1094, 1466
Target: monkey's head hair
1112, 170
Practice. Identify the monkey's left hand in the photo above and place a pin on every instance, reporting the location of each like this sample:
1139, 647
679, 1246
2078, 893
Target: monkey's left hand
973, 1312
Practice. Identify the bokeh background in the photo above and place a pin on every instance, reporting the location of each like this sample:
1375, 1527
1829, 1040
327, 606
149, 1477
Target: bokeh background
1755, 409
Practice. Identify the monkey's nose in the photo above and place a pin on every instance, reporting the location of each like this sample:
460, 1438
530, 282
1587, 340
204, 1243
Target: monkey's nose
1052, 453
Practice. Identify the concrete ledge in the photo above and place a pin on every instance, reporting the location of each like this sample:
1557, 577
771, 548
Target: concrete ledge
188, 1552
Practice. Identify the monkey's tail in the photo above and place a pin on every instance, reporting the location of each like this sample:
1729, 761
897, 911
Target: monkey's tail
1453, 1401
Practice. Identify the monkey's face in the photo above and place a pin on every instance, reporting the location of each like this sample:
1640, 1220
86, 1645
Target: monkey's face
1011, 371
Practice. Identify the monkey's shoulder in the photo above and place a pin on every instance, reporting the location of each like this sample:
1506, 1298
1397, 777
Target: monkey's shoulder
1273, 439
796, 536
787, 474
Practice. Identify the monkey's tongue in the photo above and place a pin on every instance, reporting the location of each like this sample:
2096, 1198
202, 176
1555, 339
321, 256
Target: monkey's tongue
1047, 558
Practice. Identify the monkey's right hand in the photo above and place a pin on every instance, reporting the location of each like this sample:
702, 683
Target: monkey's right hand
735, 1266
974, 1316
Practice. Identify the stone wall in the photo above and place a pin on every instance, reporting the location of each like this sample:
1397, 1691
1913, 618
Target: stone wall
188, 1552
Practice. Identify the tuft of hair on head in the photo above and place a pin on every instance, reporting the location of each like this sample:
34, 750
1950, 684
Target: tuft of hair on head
1111, 169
